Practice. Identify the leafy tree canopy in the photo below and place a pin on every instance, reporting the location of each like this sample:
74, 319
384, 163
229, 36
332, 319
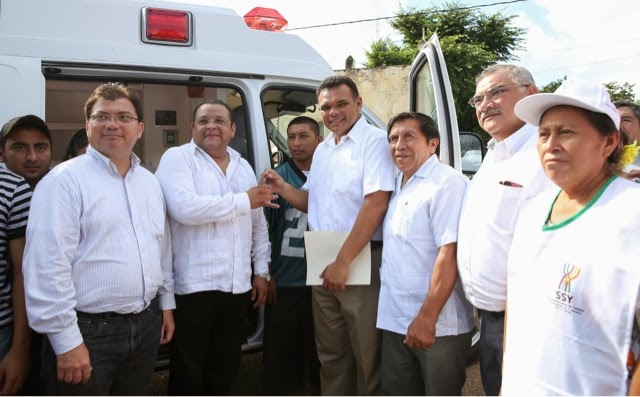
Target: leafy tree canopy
617, 91
470, 40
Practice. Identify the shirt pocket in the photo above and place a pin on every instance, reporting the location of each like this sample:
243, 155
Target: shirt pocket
206, 183
505, 207
347, 179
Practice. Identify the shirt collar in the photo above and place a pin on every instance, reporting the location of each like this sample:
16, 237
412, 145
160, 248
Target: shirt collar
135, 160
509, 146
356, 133
423, 172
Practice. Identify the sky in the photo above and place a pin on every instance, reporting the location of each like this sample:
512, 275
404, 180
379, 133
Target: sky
574, 38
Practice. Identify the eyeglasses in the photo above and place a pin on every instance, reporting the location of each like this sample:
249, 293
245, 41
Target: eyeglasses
205, 122
492, 94
121, 119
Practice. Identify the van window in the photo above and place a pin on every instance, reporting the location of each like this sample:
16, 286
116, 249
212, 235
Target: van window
280, 106
425, 95
168, 112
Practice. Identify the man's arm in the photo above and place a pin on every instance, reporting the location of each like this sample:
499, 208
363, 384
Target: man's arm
299, 199
166, 292
422, 331
53, 234
188, 207
15, 365
260, 255
369, 218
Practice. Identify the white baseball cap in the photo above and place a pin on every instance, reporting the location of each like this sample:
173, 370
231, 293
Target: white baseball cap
582, 94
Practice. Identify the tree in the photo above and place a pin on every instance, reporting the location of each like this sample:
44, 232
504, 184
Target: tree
617, 91
470, 40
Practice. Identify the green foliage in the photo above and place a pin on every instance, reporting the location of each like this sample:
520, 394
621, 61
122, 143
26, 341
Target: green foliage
470, 40
385, 53
617, 91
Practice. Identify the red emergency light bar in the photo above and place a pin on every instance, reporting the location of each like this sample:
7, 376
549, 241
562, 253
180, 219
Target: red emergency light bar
265, 19
170, 27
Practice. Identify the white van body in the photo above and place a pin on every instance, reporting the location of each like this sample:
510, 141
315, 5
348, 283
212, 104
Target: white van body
54, 53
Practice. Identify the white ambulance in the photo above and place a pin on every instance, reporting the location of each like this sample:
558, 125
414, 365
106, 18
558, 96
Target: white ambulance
176, 55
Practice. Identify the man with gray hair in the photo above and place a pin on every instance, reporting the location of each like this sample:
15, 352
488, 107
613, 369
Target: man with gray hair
510, 174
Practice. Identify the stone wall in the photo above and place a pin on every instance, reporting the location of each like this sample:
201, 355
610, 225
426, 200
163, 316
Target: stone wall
384, 90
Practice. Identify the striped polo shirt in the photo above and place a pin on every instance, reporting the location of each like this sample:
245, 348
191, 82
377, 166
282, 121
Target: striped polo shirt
15, 196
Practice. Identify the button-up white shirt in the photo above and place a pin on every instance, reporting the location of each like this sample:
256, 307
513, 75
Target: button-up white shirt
422, 217
489, 214
215, 233
343, 174
96, 242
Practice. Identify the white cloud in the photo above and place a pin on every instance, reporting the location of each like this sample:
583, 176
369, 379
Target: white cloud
596, 39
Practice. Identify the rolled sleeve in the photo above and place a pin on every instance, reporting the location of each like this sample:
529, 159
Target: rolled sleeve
379, 170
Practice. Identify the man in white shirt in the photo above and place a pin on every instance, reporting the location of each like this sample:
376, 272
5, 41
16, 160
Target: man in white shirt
98, 259
510, 173
218, 228
425, 319
347, 190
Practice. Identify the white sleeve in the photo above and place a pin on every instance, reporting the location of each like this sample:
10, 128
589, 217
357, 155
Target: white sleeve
184, 204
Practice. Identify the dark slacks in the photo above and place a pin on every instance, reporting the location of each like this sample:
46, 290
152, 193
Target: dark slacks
289, 342
122, 350
437, 371
206, 346
491, 336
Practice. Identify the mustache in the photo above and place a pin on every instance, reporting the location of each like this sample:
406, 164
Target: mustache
491, 112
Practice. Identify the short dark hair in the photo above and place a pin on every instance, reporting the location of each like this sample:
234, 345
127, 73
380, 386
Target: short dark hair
336, 81
113, 92
28, 122
628, 104
428, 126
77, 142
313, 125
213, 102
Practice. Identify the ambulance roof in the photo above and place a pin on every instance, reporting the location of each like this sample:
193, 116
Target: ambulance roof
108, 32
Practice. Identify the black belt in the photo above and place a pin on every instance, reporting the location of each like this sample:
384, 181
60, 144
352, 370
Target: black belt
493, 314
154, 301
376, 244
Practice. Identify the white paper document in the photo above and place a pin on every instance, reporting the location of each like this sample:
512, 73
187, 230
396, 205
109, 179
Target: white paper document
322, 249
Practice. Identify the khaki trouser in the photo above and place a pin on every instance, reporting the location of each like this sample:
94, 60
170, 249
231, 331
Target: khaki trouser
347, 339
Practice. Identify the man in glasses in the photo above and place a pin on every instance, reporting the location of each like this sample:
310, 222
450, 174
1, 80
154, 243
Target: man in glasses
510, 173
97, 263
218, 229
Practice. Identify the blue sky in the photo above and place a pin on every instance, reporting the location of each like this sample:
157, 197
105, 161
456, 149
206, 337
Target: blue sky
574, 38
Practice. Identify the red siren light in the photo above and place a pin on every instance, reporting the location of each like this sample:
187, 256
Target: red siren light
166, 26
261, 18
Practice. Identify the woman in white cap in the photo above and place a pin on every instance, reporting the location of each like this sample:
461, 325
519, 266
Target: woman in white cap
574, 266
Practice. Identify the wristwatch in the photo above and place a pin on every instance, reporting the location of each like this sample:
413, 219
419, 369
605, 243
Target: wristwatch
265, 276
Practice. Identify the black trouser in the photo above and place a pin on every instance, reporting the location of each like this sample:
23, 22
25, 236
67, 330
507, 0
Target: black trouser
289, 342
205, 352
122, 350
491, 336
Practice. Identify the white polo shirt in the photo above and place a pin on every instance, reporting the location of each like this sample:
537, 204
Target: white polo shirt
422, 217
489, 213
573, 295
343, 174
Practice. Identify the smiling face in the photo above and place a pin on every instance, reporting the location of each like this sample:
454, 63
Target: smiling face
338, 109
212, 129
409, 147
572, 151
115, 137
496, 116
27, 152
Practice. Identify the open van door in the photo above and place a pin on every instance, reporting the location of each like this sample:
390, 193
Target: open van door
430, 93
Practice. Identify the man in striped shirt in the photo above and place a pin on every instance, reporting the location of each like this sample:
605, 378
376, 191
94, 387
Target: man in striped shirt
98, 272
15, 196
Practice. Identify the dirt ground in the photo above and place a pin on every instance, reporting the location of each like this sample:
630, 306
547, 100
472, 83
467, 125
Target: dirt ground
249, 382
